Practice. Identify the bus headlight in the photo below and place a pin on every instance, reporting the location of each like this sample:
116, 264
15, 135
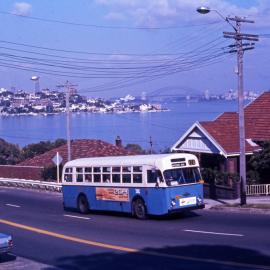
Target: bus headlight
199, 200
173, 203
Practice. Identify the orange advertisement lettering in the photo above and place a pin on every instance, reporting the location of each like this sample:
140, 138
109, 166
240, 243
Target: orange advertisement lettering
112, 194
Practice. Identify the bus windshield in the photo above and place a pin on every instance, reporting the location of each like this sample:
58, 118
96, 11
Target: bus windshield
181, 176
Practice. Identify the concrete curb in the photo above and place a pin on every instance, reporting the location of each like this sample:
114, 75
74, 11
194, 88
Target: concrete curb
239, 209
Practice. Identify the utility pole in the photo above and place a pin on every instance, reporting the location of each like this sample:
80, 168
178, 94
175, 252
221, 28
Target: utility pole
151, 145
68, 86
239, 47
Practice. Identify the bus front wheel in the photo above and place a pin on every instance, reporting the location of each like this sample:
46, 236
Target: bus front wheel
83, 205
139, 209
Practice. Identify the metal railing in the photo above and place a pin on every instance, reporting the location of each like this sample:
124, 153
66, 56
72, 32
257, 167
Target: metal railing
253, 190
33, 184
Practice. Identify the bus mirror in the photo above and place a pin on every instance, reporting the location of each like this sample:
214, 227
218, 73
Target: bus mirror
159, 180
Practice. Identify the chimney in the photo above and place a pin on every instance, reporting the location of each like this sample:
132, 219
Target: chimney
118, 141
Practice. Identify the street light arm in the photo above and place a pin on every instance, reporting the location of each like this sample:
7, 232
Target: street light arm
225, 19
205, 10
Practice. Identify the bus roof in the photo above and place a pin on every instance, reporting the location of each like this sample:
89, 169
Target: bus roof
126, 160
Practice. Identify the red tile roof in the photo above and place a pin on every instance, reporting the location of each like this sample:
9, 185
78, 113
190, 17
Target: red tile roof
79, 149
257, 125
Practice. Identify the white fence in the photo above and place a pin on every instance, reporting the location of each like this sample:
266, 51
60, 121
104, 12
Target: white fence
253, 190
50, 186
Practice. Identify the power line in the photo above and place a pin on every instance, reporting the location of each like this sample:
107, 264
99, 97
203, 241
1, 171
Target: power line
111, 72
104, 26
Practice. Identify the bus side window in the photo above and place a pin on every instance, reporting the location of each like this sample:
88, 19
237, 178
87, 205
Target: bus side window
137, 169
106, 176
116, 174
97, 178
79, 174
88, 174
126, 174
154, 176
126, 178
137, 178
137, 174
68, 175
97, 174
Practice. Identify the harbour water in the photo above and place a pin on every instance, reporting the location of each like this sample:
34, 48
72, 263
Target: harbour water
165, 128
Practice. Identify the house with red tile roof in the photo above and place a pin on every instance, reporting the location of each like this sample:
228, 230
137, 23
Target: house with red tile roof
32, 168
219, 139
79, 149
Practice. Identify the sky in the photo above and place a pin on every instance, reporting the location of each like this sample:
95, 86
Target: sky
111, 48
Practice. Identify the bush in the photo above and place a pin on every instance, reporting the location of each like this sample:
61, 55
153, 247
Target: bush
10, 154
259, 164
218, 178
50, 173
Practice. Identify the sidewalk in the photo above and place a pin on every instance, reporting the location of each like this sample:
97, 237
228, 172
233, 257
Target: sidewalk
257, 204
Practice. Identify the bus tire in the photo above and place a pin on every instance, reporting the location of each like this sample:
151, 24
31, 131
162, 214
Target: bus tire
82, 205
139, 209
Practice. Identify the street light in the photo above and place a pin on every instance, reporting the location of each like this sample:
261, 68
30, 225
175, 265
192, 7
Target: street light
238, 47
203, 10
36, 80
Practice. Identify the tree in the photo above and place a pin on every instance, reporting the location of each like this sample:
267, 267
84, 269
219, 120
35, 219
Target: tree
136, 148
259, 164
34, 149
9, 153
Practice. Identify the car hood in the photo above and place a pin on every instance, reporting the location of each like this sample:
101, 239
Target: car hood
4, 238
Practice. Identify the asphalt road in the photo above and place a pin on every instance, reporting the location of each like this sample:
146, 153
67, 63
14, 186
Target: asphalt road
44, 233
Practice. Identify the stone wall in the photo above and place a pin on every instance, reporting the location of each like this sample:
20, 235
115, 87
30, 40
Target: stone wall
21, 172
222, 192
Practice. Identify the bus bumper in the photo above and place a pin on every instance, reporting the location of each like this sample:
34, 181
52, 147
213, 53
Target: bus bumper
185, 209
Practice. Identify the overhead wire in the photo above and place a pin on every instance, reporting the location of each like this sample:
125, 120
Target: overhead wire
103, 26
161, 69
150, 69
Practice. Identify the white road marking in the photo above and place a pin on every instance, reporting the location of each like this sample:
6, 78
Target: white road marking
216, 233
13, 205
87, 218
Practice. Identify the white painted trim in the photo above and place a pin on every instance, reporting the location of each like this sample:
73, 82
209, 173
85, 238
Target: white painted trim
207, 135
237, 154
213, 141
184, 136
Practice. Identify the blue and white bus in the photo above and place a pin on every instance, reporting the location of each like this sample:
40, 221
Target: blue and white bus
142, 185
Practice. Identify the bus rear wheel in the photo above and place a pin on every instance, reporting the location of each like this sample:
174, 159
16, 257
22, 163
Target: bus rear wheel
139, 209
83, 205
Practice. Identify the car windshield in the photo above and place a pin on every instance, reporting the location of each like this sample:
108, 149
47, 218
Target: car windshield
182, 176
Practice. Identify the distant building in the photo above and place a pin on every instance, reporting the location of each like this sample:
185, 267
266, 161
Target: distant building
206, 95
